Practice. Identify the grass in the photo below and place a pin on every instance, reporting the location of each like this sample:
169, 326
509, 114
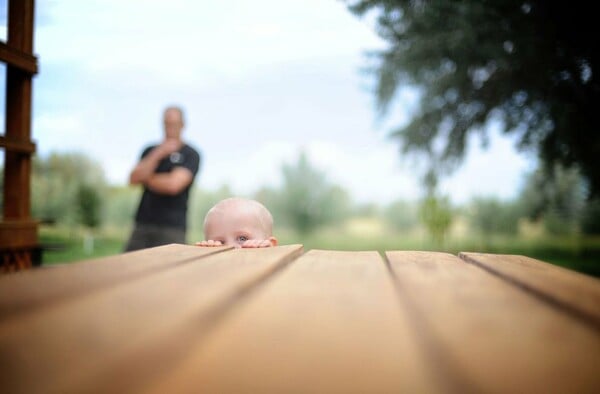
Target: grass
63, 246
576, 253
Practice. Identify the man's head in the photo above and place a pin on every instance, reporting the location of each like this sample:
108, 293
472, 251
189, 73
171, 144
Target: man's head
173, 122
235, 220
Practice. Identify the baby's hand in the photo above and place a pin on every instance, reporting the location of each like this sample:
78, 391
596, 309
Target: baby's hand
257, 243
210, 242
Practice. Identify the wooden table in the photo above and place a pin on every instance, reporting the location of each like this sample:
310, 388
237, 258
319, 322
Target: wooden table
185, 319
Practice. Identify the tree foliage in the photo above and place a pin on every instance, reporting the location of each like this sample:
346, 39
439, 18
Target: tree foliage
89, 205
436, 214
306, 200
590, 221
491, 216
120, 203
402, 215
56, 183
559, 201
531, 65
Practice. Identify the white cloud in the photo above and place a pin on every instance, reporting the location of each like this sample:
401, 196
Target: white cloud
370, 173
496, 171
184, 40
63, 127
260, 80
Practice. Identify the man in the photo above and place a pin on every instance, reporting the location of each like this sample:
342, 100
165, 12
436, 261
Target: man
167, 172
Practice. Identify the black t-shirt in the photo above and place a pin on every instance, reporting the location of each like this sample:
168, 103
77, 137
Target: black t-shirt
166, 210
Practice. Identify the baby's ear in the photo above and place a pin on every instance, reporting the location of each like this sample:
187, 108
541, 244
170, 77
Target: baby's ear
273, 241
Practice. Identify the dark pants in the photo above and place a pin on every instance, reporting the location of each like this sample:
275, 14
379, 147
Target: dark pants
150, 235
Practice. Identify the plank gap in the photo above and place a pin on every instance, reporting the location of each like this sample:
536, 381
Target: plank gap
447, 374
21, 294
162, 352
488, 335
578, 314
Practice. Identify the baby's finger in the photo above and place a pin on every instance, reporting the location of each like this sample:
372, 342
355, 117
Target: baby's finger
209, 242
256, 243
251, 243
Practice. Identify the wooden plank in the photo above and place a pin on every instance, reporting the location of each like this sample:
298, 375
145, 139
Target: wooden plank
18, 233
18, 128
489, 336
329, 324
576, 293
16, 58
113, 340
25, 291
20, 24
17, 145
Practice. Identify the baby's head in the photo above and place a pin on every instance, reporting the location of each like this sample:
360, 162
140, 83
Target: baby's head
236, 220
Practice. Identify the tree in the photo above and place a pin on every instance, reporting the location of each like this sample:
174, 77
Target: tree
306, 199
89, 206
531, 65
559, 200
590, 222
55, 183
492, 216
402, 215
119, 206
436, 214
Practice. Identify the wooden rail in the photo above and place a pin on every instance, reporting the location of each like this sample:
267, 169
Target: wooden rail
18, 59
17, 146
181, 318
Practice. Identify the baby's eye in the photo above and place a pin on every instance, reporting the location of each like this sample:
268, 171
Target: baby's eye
242, 238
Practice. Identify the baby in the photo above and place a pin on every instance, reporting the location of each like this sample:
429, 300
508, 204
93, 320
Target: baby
238, 222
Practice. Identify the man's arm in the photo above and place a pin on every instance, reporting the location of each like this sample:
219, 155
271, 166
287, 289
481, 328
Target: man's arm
170, 183
146, 166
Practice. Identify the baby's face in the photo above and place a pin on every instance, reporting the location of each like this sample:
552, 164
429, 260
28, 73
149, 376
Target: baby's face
233, 228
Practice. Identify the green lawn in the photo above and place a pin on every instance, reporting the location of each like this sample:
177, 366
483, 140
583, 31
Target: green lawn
580, 254
70, 249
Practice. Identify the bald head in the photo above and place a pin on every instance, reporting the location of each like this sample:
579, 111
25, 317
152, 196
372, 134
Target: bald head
173, 122
235, 218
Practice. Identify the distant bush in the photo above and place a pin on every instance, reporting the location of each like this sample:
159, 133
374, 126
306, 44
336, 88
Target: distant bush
557, 196
590, 221
402, 215
436, 214
306, 200
489, 216
58, 179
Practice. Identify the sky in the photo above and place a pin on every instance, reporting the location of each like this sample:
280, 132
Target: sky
260, 81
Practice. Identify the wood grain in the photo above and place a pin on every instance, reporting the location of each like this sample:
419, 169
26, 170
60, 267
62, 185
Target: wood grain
17, 58
575, 293
330, 323
486, 335
23, 291
115, 339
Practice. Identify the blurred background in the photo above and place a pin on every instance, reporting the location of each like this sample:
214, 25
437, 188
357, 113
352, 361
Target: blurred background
361, 125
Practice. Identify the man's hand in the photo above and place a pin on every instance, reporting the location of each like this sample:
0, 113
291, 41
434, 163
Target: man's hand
145, 167
167, 147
